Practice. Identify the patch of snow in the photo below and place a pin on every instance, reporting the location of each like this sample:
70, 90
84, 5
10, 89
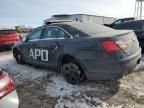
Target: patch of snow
76, 103
73, 96
24, 72
59, 87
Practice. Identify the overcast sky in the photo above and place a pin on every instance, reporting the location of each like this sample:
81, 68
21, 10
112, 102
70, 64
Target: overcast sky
33, 12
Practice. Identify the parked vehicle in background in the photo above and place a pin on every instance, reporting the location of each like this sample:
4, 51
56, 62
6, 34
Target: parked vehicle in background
8, 38
119, 21
137, 26
8, 94
80, 49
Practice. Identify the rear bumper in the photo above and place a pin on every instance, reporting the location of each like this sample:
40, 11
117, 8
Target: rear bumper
110, 68
131, 62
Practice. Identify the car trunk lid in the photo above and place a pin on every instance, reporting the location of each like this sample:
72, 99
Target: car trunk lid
126, 40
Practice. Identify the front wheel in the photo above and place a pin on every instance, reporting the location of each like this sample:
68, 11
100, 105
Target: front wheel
72, 73
18, 57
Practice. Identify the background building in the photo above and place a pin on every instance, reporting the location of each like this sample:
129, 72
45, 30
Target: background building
82, 17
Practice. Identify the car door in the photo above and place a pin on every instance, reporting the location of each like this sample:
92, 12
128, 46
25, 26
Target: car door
64, 40
31, 48
48, 45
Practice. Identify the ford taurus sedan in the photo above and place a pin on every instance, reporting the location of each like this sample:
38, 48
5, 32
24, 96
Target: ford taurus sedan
8, 94
80, 50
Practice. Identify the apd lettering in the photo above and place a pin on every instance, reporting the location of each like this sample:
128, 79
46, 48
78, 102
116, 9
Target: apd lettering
35, 53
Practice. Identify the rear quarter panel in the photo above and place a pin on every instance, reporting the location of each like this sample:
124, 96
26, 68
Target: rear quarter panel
95, 61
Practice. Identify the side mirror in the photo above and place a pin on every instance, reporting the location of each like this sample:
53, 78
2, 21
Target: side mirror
24, 39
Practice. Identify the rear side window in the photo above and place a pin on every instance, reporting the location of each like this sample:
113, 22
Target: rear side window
62, 34
7, 32
73, 31
130, 26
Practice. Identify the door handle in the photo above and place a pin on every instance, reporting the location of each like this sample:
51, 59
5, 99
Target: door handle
57, 45
54, 46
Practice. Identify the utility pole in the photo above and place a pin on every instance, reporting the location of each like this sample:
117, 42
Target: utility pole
138, 9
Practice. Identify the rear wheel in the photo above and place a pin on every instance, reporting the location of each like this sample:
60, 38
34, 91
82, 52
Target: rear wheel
72, 72
142, 51
18, 57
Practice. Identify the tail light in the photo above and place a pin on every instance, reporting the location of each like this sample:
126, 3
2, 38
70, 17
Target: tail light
6, 84
121, 44
112, 46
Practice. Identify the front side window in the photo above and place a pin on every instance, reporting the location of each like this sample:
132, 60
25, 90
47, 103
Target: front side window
50, 32
34, 35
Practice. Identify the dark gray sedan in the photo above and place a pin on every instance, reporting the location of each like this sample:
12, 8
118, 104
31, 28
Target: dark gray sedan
80, 50
8, 94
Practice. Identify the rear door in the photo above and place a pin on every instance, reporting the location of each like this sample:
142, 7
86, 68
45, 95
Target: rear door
31, 48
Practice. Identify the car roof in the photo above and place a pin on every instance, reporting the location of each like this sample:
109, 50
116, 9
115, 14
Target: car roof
90, 28
86, 27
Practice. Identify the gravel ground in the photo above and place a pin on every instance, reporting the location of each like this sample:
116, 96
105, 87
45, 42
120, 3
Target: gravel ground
43, 88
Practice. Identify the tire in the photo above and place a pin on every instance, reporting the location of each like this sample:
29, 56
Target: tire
72, 73
18, 57
142, 51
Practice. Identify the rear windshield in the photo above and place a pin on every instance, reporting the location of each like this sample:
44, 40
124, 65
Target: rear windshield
7, 32
90, 28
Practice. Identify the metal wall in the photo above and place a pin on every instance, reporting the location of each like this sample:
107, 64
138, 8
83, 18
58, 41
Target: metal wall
85, 18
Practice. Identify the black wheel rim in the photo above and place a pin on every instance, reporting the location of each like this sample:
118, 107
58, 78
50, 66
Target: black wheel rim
18, 58
72, 73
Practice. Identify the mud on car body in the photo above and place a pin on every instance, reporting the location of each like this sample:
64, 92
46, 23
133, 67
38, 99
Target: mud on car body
80, 50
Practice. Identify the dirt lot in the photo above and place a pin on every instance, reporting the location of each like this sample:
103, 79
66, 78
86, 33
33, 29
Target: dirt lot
43, 88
